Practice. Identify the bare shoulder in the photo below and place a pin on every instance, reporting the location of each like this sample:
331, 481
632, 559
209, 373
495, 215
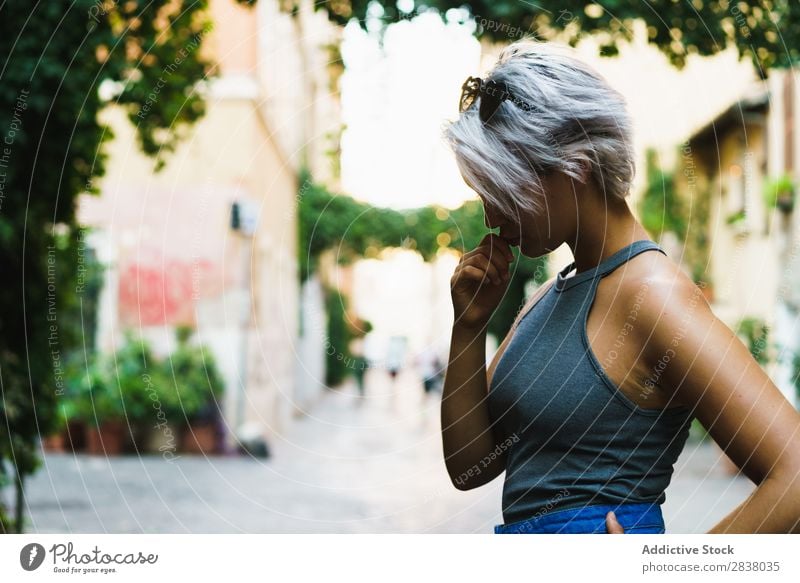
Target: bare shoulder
674, 324
664, 298
665, 295
653, 284
701, 363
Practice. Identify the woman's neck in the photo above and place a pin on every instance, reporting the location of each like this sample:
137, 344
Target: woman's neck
602, 230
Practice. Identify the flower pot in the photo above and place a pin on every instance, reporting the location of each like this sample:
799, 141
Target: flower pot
145, 438
75, 435
161, 438
55, 443
108, 439
200, 438
785, 201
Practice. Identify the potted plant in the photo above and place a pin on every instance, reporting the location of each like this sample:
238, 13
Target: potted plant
56, 441
192, 392
75, 409
70, 427
101, 409
780, 193
119, 396
139, 382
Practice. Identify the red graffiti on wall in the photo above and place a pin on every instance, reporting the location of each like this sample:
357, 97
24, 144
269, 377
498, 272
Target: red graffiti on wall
164, 293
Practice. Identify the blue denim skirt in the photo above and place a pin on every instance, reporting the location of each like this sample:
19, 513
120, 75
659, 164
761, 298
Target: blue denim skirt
591, 519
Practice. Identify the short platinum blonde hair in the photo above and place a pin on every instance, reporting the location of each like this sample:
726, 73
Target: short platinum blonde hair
578, 120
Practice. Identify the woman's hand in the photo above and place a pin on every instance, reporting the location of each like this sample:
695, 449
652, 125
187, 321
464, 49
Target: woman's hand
479, 281
612, 526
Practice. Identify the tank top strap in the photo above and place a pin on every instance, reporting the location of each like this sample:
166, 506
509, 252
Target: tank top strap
606, 266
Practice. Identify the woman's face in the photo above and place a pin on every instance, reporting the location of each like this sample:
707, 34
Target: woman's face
537, 234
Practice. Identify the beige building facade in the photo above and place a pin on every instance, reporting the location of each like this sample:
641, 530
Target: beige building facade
172, 253
753, 264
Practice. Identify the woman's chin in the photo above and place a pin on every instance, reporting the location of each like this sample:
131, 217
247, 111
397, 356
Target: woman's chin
533, 253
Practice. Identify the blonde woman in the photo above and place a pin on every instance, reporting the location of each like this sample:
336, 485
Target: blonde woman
589, 399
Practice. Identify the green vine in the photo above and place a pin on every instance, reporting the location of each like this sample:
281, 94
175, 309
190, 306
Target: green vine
780, 193
756, 334
661, 209
354, 229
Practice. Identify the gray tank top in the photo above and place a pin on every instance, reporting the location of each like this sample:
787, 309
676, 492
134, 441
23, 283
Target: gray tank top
572, 438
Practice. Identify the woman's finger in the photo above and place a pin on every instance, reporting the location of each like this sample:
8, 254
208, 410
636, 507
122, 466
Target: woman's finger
612, 526
472, 273
484, 264
497, 244
495, 256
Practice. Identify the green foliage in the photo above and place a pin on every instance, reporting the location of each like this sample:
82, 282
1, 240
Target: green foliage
736, 218
338, 337
698, 433
192, 382
114, 387
697, 244
765, 32
756, 335
56, 56
88, 397
693, 206
340, 330
661, 209
83, 379
779, 191
134, 376
6, 524
354, 229
133, 386
39, 335
796, 374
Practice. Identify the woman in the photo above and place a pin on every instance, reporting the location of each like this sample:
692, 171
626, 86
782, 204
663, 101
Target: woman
588, 401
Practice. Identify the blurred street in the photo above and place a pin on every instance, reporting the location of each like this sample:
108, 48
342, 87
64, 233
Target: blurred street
350, 465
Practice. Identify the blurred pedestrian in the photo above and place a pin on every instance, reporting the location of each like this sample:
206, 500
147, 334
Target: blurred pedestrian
430, 368
395, 355
360, 328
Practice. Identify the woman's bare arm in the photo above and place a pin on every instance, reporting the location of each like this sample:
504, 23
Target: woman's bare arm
477, 287
467, 435
709, 369
471, 444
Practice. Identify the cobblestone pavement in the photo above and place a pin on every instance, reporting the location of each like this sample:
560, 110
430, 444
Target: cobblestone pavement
350, 465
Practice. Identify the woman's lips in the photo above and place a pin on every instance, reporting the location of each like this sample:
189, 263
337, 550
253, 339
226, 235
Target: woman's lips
512, 241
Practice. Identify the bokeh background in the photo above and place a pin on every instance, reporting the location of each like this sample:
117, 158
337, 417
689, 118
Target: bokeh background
228, 230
